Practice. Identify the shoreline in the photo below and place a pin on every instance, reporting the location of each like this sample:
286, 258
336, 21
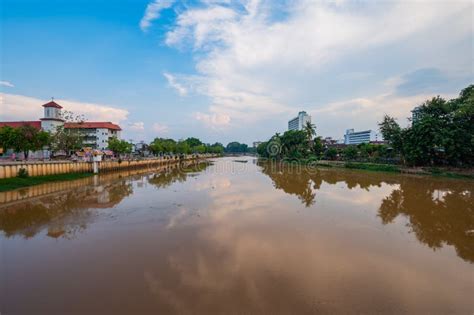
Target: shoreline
389, 168
12, 183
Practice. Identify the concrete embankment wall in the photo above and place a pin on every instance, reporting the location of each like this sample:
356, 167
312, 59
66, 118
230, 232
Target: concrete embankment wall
9, 170
41, 190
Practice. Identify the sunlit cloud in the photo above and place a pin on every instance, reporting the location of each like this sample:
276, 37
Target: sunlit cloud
213, 120
20, 107
159, 128
255, 60
136, 126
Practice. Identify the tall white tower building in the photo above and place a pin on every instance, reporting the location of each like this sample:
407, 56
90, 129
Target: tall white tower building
299, 121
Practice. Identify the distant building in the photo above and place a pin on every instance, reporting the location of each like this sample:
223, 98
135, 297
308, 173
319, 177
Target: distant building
256, 144
299, 121
358, 137
141, 148
96, 134
415, 114
329, 141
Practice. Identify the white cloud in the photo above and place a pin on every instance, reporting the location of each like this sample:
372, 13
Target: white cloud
255, 66
136, 126
213, 120
366, 113
152, 12
175, 85
6, 83
20, 107
159, 128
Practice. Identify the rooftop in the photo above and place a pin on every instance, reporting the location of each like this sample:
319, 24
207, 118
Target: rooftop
17, 124
52, 104
92, 125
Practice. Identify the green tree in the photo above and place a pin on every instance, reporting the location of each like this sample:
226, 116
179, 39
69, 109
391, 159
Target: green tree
66, 140
443, 132
200, 149
7, 137
216, 148
163, 146
310, 131
262, 149
193, 142
182, 147
119, 146
294, 144
350, 153
236, 147
330, 153
318, 147
24, 139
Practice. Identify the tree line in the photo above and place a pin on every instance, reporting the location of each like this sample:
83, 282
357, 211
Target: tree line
188, 146
442, 134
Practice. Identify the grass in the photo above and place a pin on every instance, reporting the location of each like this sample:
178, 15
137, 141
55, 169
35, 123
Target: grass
17, 182
378, 167
373, 167
440, 173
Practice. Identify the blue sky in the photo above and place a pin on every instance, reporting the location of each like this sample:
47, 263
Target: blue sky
232, 70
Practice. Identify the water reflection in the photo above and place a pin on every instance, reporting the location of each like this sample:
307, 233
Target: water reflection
62, 214
175, 173
438, 211
437, 214
65, 213
294, 180
240, 238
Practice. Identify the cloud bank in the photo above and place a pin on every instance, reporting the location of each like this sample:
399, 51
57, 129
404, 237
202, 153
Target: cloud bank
266, 60
20, 107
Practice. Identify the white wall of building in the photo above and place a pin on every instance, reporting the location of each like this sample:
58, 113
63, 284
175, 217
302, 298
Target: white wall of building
51, 125
299, 122
358, 137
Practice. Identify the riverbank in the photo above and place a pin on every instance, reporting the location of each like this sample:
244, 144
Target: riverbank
376, 167
41, 168
12, 183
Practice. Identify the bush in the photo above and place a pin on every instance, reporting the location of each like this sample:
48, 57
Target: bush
23, 173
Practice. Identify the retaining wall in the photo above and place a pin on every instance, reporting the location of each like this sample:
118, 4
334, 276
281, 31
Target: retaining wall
8, 170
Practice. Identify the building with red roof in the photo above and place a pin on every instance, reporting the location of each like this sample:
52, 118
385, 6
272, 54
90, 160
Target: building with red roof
96, 134
17, 124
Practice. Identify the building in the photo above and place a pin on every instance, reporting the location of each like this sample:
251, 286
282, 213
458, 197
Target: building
96, 134
415, 114
141, 148
299, 121
358, 137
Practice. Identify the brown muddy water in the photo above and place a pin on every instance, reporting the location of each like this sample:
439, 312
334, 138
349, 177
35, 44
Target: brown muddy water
239, 238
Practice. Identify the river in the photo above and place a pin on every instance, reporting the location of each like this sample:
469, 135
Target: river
239, 237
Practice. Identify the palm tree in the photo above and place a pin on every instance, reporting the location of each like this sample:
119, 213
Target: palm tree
310, 130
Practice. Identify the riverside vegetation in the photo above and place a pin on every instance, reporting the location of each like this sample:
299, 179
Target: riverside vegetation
441, 137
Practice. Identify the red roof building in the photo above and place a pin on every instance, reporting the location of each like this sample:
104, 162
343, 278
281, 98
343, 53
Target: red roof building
52, 104
92, 125
96, 133
18, 124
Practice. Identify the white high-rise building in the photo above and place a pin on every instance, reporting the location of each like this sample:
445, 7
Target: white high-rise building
358, 137
299, 121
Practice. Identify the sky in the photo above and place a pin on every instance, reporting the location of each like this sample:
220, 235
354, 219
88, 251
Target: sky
232, 70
